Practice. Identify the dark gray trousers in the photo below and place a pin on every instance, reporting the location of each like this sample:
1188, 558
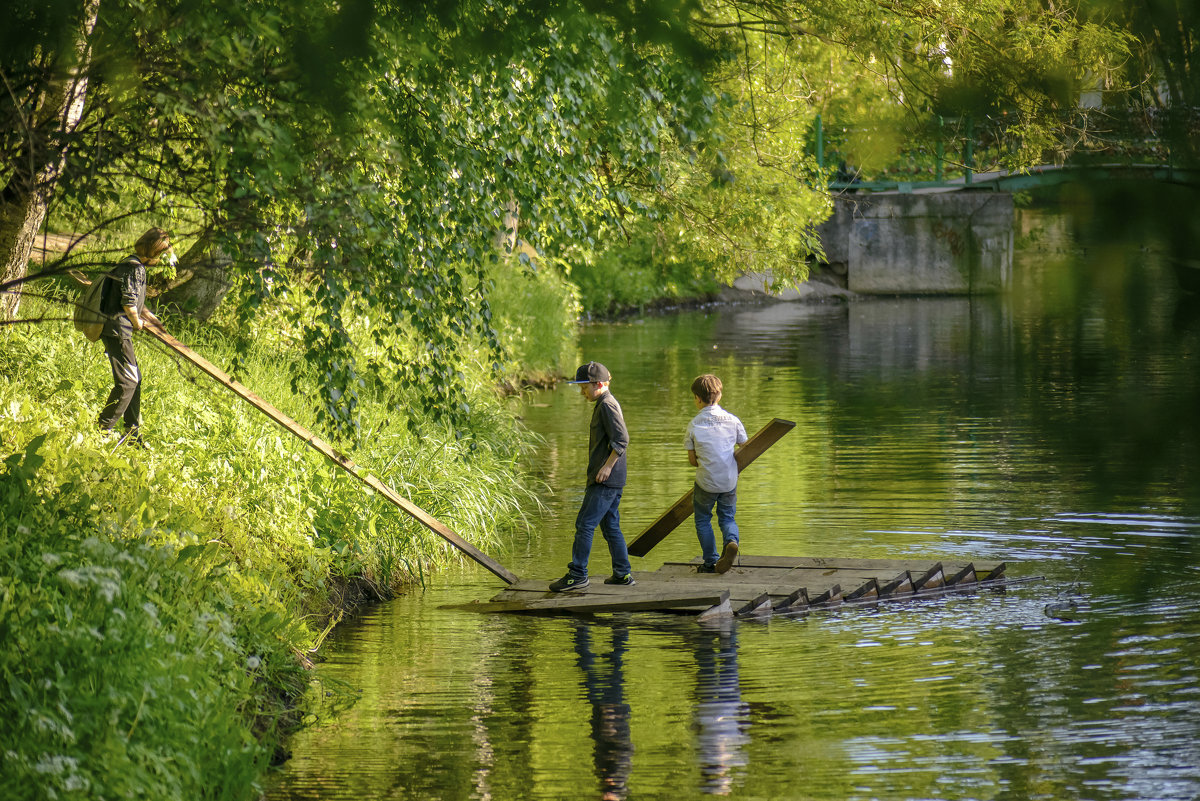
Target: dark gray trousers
125, 400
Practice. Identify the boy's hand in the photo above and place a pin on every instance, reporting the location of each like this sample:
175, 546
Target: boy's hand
606, 469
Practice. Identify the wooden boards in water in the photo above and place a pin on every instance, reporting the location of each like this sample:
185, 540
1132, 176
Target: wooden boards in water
757, 585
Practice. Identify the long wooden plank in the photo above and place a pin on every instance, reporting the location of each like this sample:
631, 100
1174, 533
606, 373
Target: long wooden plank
754, 447
743, 585
734, 575
322, 447
736, 593
739, 592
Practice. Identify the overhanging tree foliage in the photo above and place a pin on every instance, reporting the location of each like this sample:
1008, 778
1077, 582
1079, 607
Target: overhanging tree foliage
1016, 66
885, 76
1163, 72
369, 147
378, 150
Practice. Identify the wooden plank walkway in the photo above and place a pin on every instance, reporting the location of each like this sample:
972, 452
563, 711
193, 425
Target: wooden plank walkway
757, 585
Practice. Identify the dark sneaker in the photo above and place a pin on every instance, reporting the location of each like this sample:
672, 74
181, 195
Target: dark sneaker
727, 557
625, 580
568, 583
706, 569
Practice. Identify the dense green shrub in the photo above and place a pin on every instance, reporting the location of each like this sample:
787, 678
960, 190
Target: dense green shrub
635, 274
131, 670
157, 606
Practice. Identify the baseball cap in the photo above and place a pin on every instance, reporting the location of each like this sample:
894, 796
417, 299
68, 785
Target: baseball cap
592, 371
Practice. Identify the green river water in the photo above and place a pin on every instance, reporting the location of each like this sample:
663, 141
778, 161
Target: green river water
1056, 427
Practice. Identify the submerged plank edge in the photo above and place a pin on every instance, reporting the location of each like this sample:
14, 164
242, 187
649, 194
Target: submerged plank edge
601, 603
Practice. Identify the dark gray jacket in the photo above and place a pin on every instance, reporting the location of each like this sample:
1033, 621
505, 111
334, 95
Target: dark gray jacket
608, 434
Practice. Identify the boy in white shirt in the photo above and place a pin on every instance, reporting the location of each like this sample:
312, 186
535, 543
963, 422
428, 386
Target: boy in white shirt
712, 437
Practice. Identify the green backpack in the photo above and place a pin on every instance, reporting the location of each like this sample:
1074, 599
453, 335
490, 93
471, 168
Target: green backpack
88, 317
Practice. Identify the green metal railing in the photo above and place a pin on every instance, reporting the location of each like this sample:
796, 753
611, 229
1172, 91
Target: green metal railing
1001, 180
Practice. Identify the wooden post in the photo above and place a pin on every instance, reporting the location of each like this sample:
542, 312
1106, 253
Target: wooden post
322, 447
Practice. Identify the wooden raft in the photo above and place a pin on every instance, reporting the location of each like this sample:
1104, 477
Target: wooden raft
757, 585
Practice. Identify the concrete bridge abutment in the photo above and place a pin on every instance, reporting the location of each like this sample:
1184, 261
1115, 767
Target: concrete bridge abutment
951, 243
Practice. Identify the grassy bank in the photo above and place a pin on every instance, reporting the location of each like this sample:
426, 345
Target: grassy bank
159, 607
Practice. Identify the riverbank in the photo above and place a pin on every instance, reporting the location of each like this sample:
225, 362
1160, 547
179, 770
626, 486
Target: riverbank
164, 606
161, 607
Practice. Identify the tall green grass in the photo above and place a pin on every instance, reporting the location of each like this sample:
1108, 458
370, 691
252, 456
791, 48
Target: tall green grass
158, 607
536, 318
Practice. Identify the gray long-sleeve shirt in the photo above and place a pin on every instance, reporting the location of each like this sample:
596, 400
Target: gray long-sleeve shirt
607, 435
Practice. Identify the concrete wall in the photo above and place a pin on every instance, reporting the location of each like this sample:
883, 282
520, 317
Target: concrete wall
954, 243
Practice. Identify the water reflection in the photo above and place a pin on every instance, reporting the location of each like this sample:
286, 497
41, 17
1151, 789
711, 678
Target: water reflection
1055, 429
722, 719
604, 683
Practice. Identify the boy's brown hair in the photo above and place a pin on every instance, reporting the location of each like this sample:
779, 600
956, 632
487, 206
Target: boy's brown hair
707, 388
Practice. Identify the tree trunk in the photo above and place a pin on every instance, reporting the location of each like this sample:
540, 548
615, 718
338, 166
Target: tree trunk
506, 237
202, 283
28, 193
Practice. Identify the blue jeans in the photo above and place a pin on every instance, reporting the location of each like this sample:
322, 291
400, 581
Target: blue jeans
599, 507
702, 506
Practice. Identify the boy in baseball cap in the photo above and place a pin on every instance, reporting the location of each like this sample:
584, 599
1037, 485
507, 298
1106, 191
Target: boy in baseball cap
607, 441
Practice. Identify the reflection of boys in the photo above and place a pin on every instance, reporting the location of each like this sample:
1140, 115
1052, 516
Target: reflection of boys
720, 714
712, 437
605, 689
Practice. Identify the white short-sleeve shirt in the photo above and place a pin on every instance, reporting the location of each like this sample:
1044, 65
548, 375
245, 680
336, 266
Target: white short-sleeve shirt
713, 434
